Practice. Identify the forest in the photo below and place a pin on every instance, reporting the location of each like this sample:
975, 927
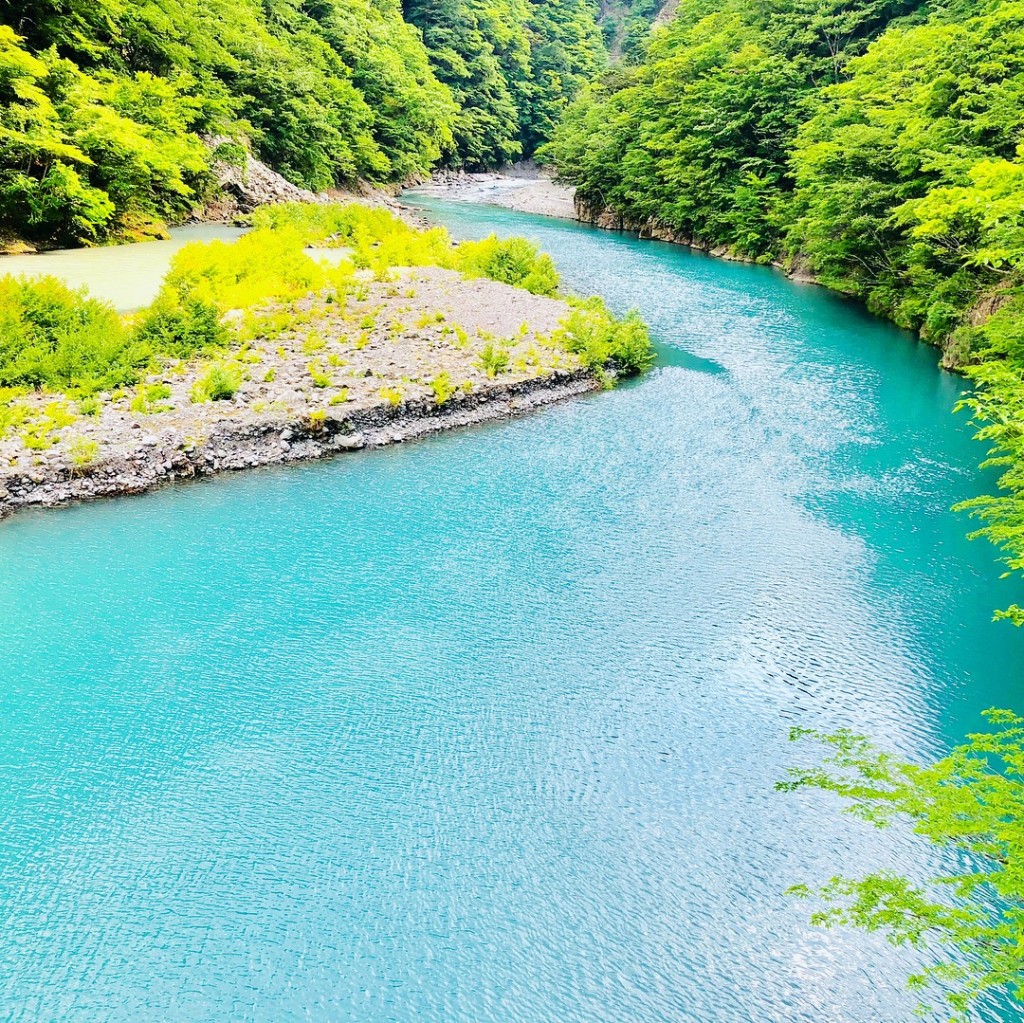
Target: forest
107, 106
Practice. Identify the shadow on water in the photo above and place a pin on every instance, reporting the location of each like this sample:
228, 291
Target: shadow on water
679, 358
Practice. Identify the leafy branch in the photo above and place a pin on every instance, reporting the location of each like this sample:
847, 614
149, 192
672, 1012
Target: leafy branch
970, 802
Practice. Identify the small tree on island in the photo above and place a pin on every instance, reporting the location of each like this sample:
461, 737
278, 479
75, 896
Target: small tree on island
971, 802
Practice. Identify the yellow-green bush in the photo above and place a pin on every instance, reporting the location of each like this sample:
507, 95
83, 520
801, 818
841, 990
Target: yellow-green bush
256, 268
380, 240
54, 336
219, 383
512, 261
599, 338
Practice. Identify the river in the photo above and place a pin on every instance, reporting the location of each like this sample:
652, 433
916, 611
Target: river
486, 727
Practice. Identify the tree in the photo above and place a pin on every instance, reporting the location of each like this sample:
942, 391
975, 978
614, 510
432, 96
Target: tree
971, 803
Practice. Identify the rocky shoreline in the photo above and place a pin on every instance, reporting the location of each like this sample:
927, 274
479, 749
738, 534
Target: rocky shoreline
401, 354
159, 459
524, 188
420, 351
653, 229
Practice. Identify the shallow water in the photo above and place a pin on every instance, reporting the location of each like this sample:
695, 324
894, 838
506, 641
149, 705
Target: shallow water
127, 275
485, 728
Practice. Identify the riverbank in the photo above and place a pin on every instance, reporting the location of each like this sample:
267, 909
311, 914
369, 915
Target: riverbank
542, 196
535, 192
422, 352
156, 459
523, 189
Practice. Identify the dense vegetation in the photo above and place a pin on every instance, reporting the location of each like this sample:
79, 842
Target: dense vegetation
102, 103
877, 145
105, 104
625, 25
56, 339
512, 66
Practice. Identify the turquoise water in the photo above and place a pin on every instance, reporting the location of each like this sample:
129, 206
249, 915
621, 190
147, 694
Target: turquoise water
485, 728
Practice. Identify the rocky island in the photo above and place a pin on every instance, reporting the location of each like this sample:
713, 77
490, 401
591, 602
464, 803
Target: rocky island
266, 350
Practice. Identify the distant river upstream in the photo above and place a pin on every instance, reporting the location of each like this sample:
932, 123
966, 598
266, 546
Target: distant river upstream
484, 729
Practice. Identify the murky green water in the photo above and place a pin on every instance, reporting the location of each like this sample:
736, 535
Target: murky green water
127, 275
486, 727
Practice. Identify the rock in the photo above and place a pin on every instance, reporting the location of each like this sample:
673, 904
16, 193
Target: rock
254, 183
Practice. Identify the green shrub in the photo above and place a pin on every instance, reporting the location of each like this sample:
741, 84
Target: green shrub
151, 399
53, 336
512, 261
83, 451
255, 268
180, 326
13, 414
36, 436
320, 378
219, 383
58, 415
600, 340
380, 240
493, 360
442, 387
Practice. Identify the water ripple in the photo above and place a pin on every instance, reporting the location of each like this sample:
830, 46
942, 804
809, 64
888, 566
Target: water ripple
486, 727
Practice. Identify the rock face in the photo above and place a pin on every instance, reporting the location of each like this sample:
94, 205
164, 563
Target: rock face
255, 184
245, 185
654, 229
610, 220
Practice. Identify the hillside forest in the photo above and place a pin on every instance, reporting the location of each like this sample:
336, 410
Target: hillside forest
107, 107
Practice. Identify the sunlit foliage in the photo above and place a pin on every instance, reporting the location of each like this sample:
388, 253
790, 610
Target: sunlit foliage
971, 803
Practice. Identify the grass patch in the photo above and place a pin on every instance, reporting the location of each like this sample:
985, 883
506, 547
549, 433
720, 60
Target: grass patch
493, 360
83, 451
